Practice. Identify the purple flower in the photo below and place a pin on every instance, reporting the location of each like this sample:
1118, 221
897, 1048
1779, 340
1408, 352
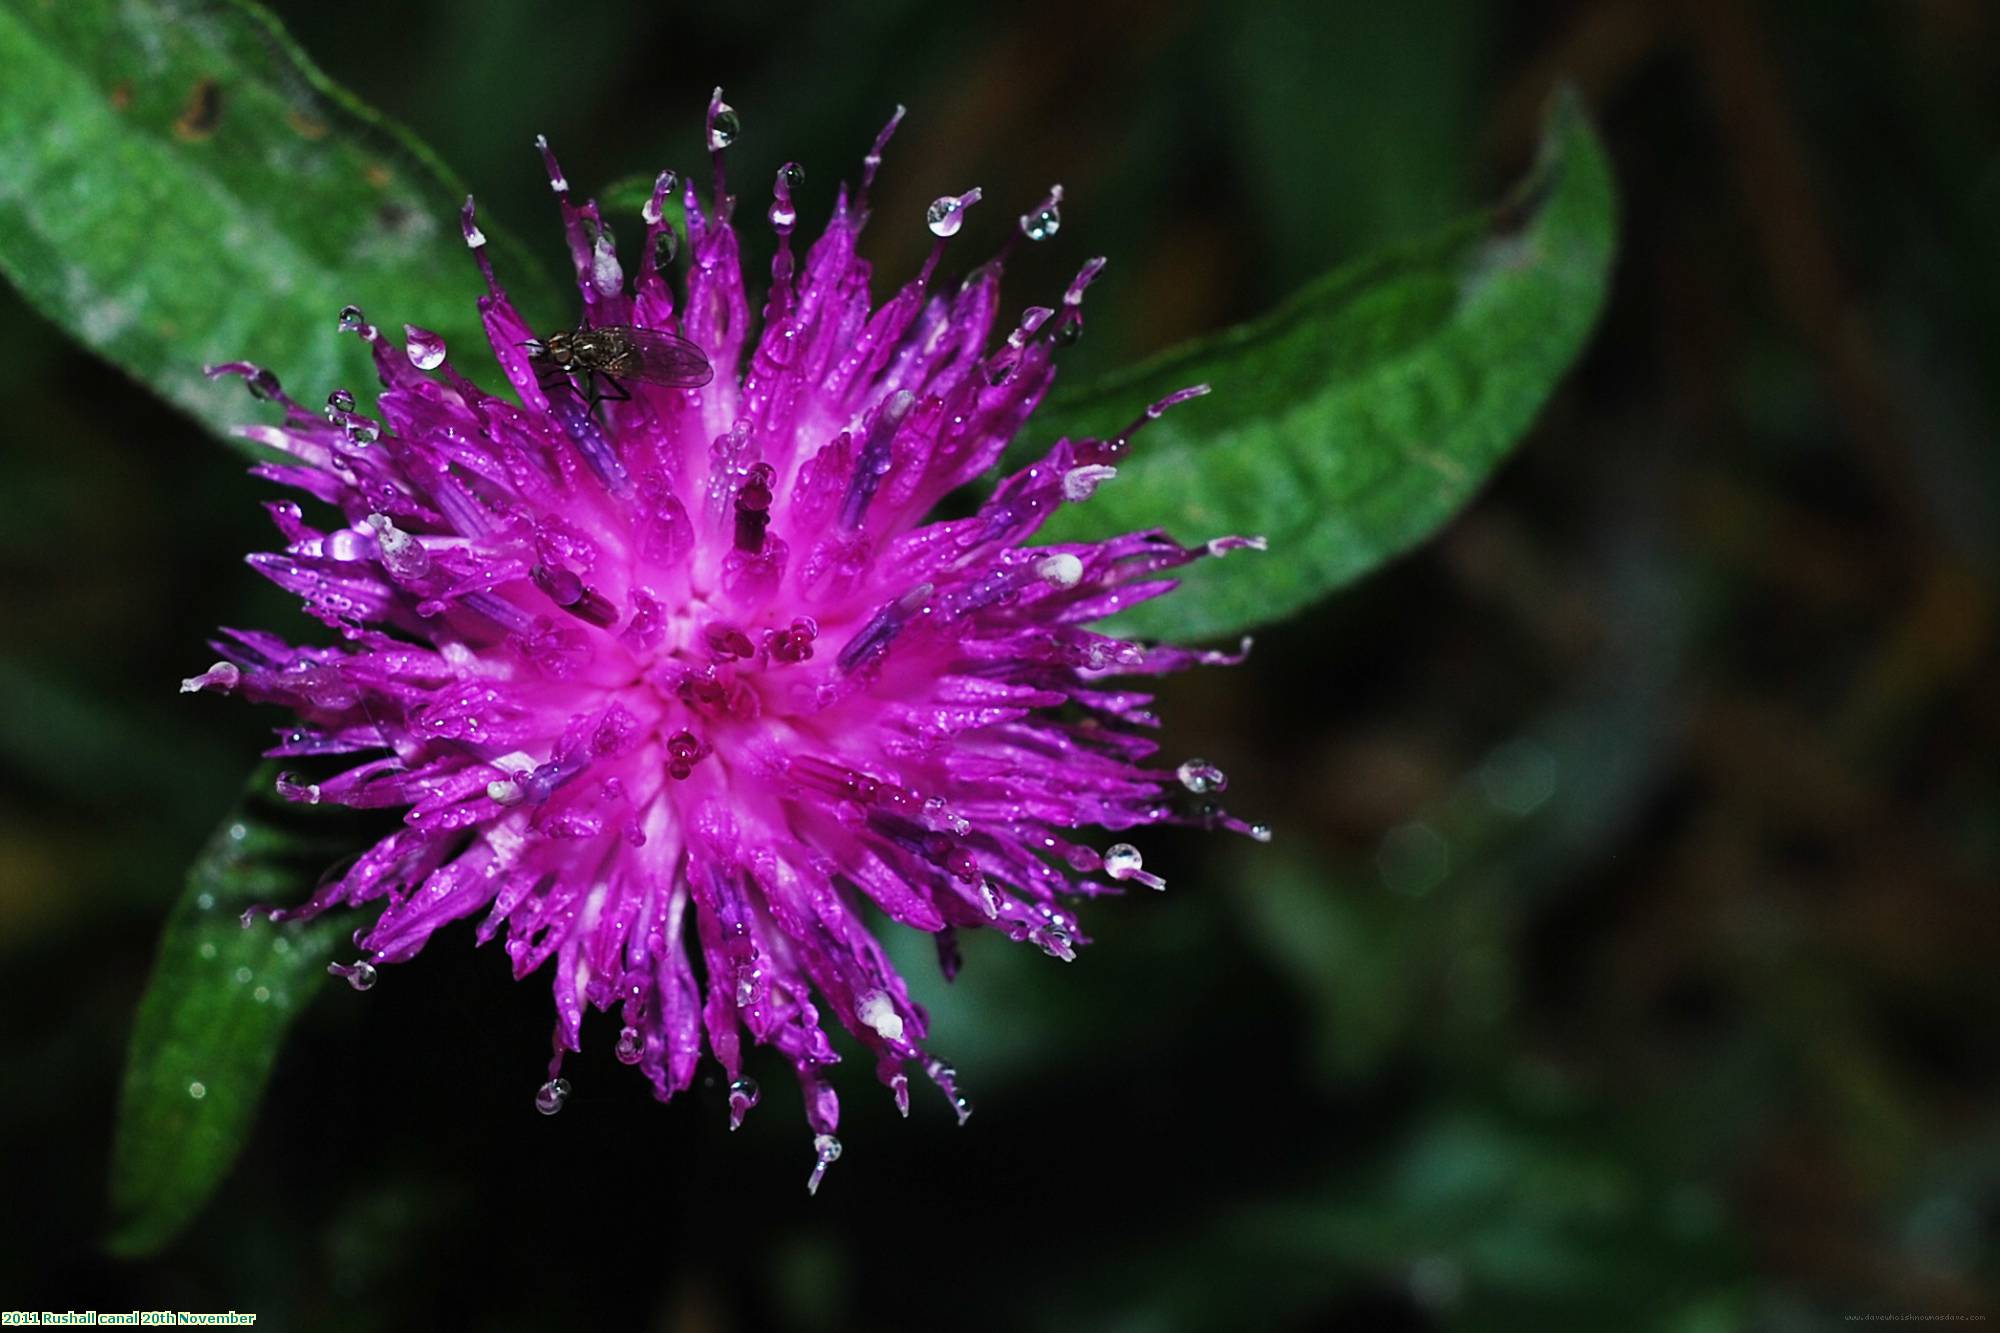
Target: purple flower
675, 682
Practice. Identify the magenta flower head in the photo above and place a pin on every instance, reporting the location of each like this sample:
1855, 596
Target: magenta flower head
668, 675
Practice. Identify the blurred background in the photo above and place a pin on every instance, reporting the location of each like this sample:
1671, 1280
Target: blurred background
1618, 961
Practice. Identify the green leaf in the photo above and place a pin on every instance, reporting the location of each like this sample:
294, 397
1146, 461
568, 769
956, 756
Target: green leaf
221, 999
182, 186
1354, 420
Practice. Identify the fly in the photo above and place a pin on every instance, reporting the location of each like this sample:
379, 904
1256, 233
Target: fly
616, 352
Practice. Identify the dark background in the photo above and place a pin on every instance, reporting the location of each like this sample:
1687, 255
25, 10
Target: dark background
1624, 956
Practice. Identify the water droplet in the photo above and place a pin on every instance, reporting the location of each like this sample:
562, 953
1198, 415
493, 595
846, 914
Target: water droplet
1061, 570
361, 975
947, 212
654, 209
338, 403
197, 1090
361, 432
1068, 332
1080, 483
263, 385
827, 1149
746, 987
549, 1098
1055, 942
723, 127
1121, 859
743, 1095
631, 1046
1260, 832
1045, 220
426, 349
1201, 777
878, 1011
665, 246
351, 318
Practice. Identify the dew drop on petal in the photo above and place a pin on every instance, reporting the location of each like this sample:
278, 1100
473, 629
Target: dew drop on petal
263, 385
1201, 777
746, 1088
743, 1095
1061, 570
360, 975
549, 1098
1260, 832
338, 403
723, 127
631, 1046
878, 1011
1080, 483
1045, 219
947, 212
402, 555
1121, 859
652, 211
351, 318
827, 1149
426, 349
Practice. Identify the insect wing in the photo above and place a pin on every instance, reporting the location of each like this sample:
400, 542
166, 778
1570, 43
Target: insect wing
667, 359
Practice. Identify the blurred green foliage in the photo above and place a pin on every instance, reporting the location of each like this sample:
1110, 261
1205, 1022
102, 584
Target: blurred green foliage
221, 1000
187, 189
1351, 422
1621, 958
